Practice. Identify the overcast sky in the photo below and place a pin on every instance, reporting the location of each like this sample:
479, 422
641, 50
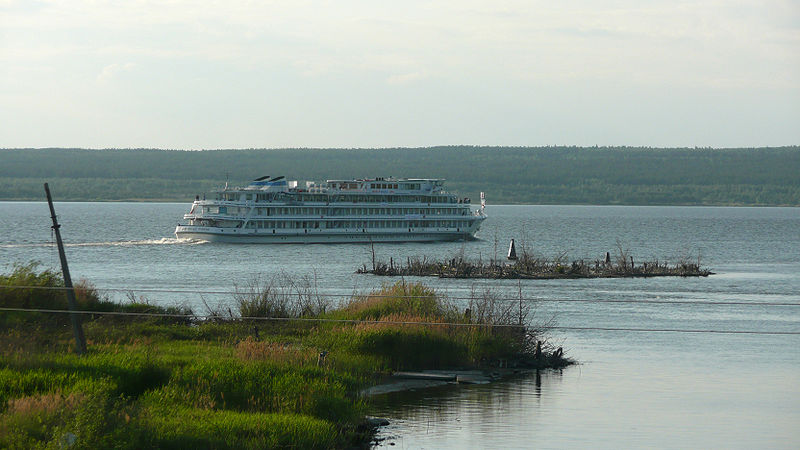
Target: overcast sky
238, 74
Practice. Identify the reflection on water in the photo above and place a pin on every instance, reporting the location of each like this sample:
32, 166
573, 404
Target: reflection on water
636, 401
461, 416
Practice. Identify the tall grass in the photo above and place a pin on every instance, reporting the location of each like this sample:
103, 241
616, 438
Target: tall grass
400, 299
231, 383
44, 293
280, 296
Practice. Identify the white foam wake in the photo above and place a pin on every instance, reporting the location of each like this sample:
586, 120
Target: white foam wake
162, 241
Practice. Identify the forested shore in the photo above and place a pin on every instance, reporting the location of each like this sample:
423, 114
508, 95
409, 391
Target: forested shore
509, 175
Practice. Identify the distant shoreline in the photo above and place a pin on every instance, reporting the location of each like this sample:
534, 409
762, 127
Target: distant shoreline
636, 176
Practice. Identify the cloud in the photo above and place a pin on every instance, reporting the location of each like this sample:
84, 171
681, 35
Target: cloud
511, 55
111, 71
406, 78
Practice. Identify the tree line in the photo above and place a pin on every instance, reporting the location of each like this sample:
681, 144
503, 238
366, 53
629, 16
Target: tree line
538, 175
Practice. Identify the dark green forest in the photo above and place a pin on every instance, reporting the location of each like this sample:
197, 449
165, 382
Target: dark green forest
535, 175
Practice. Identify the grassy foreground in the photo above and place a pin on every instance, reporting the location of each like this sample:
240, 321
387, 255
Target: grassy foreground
178, 382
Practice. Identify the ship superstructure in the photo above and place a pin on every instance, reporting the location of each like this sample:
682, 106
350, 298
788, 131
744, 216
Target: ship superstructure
274, 210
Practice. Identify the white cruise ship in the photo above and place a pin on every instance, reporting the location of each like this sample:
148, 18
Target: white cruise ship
274, 210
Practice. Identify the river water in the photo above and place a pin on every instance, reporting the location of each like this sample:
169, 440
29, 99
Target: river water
661, 389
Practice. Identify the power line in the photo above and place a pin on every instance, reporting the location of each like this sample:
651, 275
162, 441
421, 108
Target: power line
393, 322
502, 299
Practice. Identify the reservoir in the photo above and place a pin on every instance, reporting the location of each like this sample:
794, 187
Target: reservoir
724, 381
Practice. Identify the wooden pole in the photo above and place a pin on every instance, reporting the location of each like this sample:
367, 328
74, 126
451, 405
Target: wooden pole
80, 341
519, 285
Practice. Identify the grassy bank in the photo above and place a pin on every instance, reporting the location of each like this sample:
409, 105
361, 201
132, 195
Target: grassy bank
238, 382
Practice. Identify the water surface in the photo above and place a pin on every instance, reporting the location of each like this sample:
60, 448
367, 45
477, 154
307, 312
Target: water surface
632, 389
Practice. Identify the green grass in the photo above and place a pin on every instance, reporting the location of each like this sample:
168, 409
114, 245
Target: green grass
203, 428
163, 383
174, 394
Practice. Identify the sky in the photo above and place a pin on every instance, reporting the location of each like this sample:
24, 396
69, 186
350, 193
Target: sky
270, 74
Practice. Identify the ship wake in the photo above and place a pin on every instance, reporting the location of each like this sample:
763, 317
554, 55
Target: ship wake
162, 241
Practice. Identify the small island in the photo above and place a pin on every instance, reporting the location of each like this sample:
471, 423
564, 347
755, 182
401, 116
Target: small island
527, 266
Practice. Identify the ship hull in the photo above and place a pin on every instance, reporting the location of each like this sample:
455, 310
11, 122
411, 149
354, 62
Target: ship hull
315, 236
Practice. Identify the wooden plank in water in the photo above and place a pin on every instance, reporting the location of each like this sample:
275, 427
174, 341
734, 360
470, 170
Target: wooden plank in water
425, 376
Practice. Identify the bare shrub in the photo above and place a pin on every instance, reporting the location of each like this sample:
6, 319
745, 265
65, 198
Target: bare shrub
280, 296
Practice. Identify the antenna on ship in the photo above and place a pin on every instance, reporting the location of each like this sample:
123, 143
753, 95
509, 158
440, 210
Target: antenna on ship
226, 180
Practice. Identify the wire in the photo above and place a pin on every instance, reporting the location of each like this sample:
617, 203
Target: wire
502, 299
392, 322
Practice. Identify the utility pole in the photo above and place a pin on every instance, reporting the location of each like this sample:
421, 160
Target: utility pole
77, 329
